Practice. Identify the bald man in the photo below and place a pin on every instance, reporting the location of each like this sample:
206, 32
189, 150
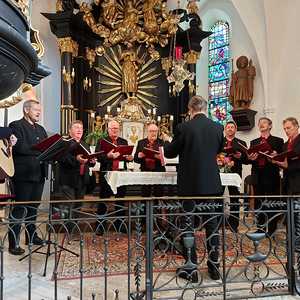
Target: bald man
111, 161
148, 164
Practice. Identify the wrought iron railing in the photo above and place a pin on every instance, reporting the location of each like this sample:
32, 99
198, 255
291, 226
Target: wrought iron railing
144, 248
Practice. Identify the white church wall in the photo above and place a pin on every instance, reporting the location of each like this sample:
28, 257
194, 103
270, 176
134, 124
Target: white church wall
50, 86
283, 41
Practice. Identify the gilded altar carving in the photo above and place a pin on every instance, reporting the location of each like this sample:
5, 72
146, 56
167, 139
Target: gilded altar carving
130, 22
131, 109
130, 67
68, 45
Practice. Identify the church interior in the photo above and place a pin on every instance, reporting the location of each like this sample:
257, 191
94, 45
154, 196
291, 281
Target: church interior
134, 66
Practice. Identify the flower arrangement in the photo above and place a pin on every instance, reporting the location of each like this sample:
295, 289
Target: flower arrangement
224, 162
93, 137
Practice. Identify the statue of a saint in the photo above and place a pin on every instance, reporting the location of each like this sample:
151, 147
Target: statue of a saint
128, 30
109, 12
99, 124
130, 63
164, 126
241, 87
150, 23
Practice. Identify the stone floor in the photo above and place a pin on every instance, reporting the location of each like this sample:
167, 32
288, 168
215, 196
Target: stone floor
16, 283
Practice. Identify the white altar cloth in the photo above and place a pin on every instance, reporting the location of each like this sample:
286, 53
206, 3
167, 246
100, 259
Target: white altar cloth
116, 179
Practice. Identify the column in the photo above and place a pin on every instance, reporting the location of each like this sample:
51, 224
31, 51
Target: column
68, 49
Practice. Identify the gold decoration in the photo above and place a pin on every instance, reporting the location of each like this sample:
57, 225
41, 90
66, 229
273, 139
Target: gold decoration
68, 45
17, 97
100, 50
191, 57
129, 71
121, 78
59, 6
90, 56
68, 77
36, 42
166, 63
128, 22
91, 22
179, 74
131, 109
24, 7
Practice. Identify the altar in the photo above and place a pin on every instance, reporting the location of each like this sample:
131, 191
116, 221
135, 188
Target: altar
116, 179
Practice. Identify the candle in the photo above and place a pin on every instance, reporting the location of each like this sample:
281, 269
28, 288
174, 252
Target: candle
93, 115
108, 109
178, 52
118, 110
149, 111
73, 73
154, 111
64, 70
106, 117
171, 117
158, 118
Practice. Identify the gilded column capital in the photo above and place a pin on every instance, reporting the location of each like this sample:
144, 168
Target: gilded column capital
68, 45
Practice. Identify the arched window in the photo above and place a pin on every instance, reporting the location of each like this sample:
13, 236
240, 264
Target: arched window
218, 73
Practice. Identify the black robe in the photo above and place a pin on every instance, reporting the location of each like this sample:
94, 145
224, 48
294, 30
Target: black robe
140, 146
197, 142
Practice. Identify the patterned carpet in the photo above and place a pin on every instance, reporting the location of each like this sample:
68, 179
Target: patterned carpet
166, 257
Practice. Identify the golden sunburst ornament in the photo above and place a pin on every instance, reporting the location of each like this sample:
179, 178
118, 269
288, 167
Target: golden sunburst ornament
126, 73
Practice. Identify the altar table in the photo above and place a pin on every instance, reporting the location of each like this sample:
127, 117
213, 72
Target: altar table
116, 179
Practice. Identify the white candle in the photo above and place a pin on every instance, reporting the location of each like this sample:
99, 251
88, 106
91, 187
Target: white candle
105, 116
158, 118
149, 111
154, 111
118, 110
108, 109
171, 118
93, 115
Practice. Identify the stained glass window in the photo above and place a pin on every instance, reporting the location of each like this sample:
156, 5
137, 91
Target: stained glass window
218, 73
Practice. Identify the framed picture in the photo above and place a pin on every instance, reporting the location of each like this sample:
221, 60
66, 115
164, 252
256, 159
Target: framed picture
133, 131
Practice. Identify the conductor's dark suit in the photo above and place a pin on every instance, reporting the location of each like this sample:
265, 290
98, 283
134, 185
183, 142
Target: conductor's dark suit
29, 178
267, 182
197, 142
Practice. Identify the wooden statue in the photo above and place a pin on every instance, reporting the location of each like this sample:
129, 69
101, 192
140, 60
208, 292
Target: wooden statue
241, 87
